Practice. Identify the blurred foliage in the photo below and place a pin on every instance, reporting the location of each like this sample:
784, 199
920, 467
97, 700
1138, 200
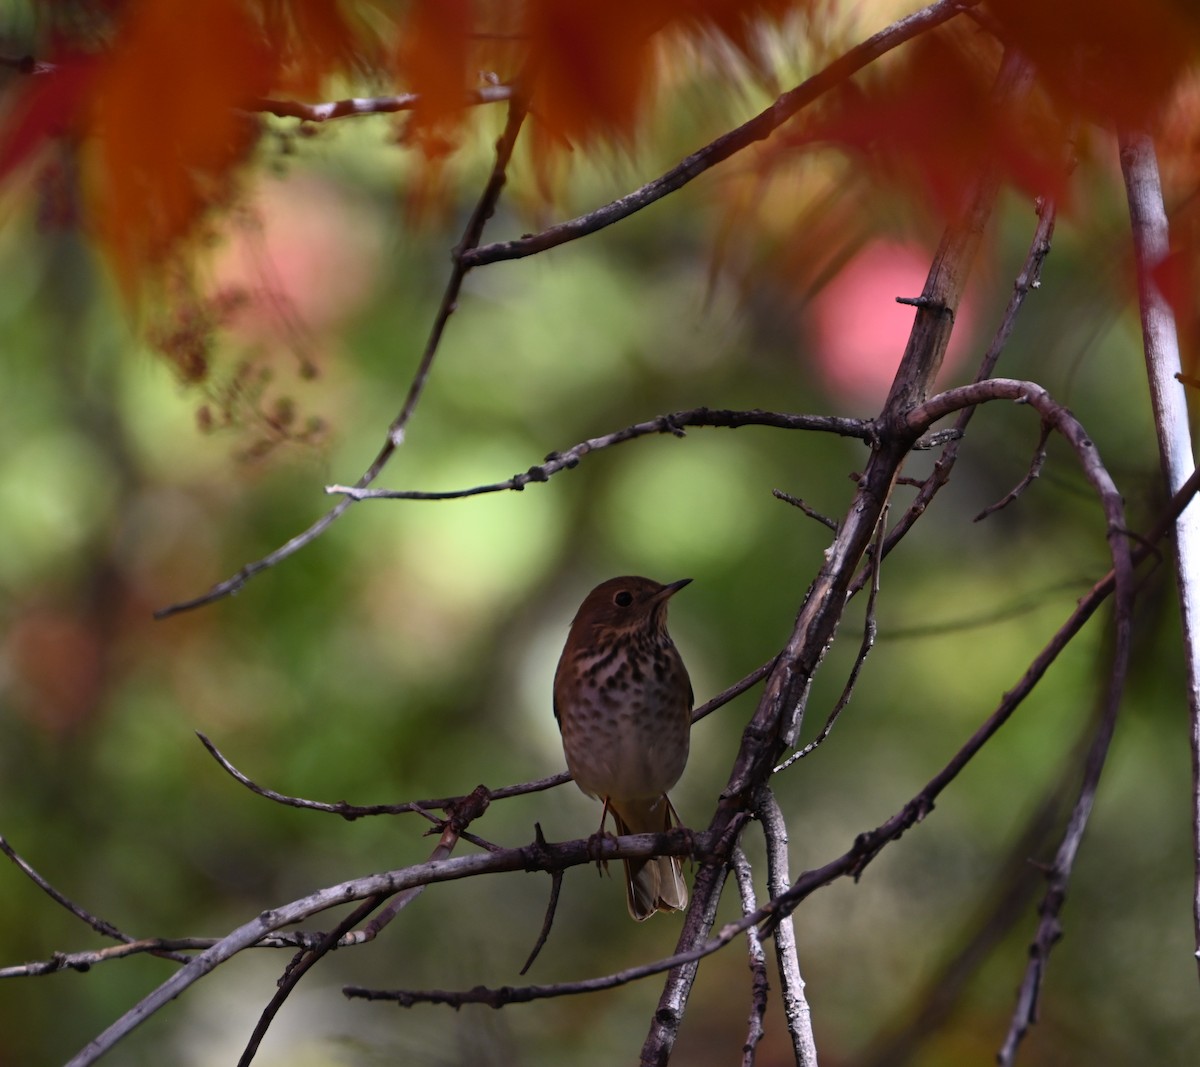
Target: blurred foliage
409, 652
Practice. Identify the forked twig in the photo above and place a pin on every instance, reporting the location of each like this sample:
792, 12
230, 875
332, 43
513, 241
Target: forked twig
1028, 279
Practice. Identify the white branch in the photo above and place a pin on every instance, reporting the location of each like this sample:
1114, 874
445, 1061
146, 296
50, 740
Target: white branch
1151, 243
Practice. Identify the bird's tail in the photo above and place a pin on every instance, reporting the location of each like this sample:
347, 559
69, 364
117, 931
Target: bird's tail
650, 884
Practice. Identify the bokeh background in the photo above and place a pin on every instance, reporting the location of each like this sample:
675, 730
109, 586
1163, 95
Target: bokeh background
409, 652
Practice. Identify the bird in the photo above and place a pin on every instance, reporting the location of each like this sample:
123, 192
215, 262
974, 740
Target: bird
623, 701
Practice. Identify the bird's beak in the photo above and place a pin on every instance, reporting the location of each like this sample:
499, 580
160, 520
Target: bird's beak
668, 591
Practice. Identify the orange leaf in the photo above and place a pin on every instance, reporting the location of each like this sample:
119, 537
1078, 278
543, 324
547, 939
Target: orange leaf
592, 65
316, 38
167, 132
931, 119
433, 58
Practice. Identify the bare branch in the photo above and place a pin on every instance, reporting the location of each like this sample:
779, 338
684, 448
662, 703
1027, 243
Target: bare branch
296, 970
796, 502
1168, 396
532, 857
779, 716
1009, 889
700, 917
309, 957
355, 811
1028, 279
735, 690
96, 923
424, 807
1031, 475
759, 986
504, 995
373, 105
870, 631
551, 907
672, 424
795, 1004
756, 129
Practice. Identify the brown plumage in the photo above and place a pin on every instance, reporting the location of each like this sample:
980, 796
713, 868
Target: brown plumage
623, 702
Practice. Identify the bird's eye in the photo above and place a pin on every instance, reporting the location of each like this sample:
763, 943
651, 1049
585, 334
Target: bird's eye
623, 599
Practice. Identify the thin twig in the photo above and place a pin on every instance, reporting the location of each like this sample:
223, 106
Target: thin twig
96, 923
373, 105
795, 1004
737, 689
728, 144
796, 502
1031, 475
1009, 889
760, 987
451, 833
298, 968
424, 807
870, 632
556, 879
355, 811
660, 424
472, 234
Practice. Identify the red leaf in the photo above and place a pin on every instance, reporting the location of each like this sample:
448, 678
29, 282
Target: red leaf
46, 106
1113, 61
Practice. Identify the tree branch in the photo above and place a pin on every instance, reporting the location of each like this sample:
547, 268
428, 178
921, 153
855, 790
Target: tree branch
99, 925
729, 144
1168, 397
795, 1004
372, 105
660, 424
537, 856
759, 985
1027, 280
777, 720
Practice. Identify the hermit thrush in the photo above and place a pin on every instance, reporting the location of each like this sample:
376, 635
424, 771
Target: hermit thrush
623, 702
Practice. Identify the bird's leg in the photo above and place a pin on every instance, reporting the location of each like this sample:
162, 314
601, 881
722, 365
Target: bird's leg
596, 841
